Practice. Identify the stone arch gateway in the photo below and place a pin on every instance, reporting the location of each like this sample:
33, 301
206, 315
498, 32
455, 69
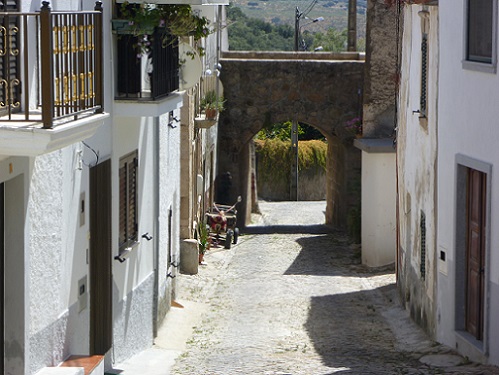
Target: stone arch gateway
320, 89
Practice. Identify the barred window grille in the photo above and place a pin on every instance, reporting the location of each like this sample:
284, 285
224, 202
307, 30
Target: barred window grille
424, 75
422, 231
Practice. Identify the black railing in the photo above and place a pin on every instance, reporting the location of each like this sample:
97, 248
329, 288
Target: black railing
147, 73
67, 51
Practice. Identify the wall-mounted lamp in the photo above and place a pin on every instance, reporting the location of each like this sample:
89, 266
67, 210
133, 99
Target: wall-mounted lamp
147, 236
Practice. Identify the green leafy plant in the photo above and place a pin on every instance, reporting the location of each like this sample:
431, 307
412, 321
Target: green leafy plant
171, 20
212, 101
203, 235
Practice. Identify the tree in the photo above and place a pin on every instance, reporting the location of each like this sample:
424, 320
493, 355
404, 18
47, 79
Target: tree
333, 40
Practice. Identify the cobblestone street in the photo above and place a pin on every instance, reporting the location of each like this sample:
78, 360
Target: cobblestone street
292, 298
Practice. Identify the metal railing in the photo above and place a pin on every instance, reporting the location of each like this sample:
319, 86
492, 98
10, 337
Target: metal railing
57, 74
147, 75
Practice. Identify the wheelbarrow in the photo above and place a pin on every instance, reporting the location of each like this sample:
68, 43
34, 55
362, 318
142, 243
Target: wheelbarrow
222, 220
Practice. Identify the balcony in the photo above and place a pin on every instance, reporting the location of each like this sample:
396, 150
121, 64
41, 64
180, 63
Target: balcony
50, 79
148, 79
190, 2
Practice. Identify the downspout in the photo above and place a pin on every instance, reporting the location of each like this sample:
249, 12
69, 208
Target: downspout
156, 226
397, 89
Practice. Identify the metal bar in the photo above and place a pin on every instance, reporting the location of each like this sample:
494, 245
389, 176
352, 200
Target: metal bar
46, 65
98, 77
352, 25
26, 64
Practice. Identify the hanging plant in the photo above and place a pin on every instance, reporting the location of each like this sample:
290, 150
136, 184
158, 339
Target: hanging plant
143, 20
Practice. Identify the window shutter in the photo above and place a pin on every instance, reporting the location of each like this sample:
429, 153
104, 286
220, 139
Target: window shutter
123, 206
132, 200
128, 220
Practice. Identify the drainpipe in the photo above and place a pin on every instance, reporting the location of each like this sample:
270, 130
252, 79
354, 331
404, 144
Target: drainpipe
156, 226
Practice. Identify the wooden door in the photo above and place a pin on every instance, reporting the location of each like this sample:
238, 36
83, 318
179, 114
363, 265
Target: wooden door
475, 252
101, 292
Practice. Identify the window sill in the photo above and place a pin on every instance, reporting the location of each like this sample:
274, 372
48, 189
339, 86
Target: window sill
126, 251
480, 67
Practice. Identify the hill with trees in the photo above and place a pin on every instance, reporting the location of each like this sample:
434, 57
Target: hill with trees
268, 25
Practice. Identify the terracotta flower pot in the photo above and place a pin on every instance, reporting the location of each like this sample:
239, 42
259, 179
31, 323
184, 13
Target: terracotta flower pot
211, 113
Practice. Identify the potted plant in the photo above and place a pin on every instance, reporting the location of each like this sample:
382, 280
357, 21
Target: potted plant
212, 104
354, 126
168, 20
203, 235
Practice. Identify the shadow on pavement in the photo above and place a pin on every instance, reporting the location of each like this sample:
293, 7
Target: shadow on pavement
351, 336
288, 229
324, 255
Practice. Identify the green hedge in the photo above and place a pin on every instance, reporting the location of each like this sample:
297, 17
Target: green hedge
274, 158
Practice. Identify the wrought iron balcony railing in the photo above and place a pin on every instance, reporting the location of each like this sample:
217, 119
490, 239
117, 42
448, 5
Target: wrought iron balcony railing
50, 65
150, 74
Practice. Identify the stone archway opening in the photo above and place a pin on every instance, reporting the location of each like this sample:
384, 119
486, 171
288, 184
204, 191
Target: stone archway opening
263, 88
289, 170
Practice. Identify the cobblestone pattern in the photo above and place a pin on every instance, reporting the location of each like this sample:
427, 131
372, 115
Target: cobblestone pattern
283, 303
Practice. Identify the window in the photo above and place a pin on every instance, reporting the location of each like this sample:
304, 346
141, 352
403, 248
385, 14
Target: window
128, 174
480, 34
423, 103
423, 95
422, 239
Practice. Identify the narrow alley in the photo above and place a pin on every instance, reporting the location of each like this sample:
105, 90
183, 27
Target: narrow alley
293, 298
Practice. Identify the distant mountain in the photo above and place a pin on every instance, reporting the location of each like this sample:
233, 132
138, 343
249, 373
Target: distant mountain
280, 12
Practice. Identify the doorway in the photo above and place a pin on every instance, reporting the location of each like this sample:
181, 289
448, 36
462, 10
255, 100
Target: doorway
473, 188
475, 252
101, 292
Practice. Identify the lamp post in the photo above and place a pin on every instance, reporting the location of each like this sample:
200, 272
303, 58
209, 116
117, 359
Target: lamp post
294, 125
352, 25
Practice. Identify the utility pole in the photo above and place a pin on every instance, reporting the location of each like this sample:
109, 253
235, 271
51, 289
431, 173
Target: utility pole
297, 27
352, 26
293, 189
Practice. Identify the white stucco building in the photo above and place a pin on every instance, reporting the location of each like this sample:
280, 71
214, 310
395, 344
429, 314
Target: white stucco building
446, 162
417, 127
90, 182
468, 208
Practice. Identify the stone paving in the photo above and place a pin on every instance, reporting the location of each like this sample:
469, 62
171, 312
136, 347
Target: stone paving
293, 298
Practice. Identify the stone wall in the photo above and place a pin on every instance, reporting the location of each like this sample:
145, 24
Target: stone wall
264, 88
381, 70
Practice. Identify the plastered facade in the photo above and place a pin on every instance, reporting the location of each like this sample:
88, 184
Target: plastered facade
47, 232
467, 134
417, 166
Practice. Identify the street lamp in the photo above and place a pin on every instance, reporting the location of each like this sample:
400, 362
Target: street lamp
299, 15
294, 125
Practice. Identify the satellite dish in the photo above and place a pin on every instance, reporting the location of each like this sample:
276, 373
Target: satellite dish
191, 67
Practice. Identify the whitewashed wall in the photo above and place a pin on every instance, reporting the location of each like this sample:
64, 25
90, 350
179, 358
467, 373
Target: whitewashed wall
417, 153
378, 209
469, 126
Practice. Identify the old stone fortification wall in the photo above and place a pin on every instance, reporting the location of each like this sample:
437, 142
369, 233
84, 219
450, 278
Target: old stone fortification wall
381, 74
322, 90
